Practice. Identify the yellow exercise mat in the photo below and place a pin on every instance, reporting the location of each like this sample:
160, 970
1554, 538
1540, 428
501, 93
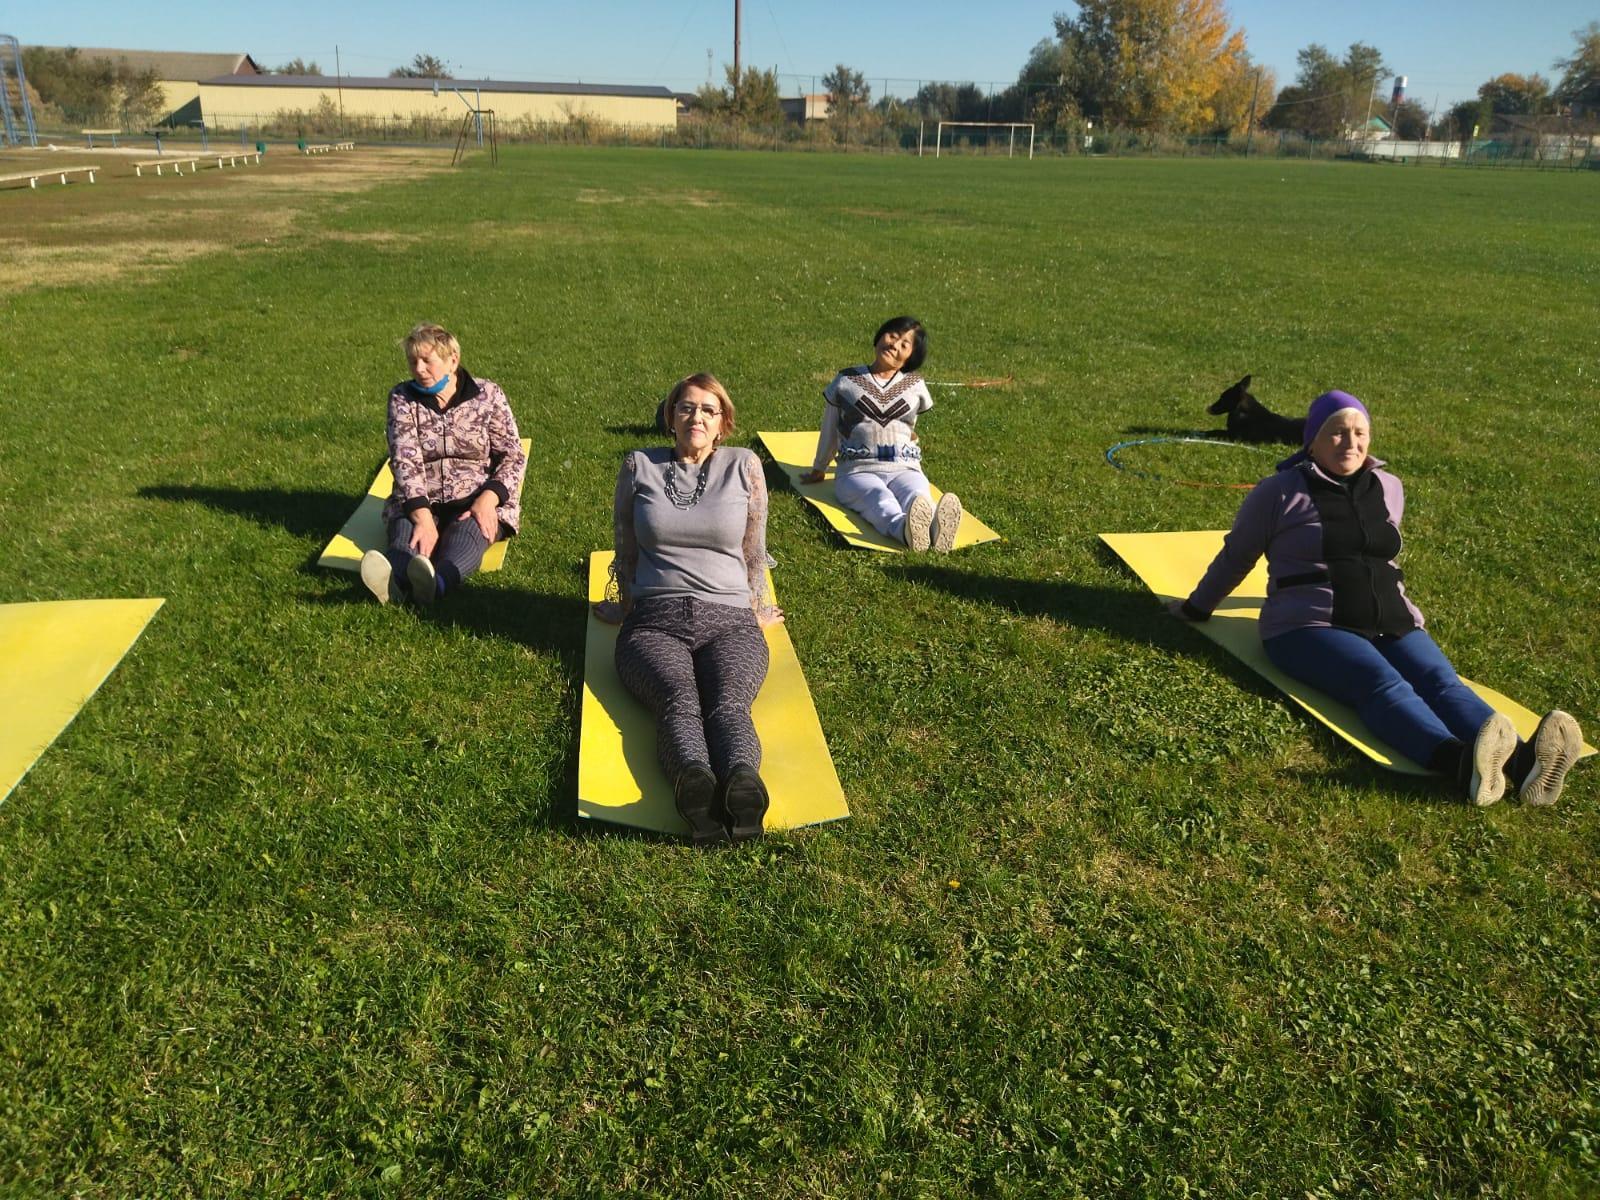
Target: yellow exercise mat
794, 452
365, 531
618, 777
54, 655
1171, 564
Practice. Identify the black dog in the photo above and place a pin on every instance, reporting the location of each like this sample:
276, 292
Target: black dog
1251, 421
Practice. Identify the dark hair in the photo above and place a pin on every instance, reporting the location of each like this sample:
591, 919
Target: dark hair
900, 325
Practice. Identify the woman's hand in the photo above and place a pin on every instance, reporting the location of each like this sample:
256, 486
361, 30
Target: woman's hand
424, 533
813, 477
769, 617
1175, 608
609, 611
485, 512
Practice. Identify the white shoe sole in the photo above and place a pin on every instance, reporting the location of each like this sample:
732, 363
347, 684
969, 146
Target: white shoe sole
1490, 751
420, 575
946, 523
378, 574
1556, 746
919, 519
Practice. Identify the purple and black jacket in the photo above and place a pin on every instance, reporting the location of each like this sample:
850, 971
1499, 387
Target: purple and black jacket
1330, 545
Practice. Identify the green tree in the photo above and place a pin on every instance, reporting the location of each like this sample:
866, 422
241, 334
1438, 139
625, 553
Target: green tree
298, 66
950, 102
1580, 74
848, 95
1518, 94
93, 90
1329, 96
423, 66
758, 97
1410, 120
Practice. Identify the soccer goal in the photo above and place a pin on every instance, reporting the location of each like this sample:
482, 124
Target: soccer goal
1011, 143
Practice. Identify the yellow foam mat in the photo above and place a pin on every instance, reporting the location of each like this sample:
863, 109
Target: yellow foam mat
794, 452
619, 779
54, 655
1171, 564
365, 530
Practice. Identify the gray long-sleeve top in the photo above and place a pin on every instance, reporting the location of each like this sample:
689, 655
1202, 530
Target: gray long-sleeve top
715, 549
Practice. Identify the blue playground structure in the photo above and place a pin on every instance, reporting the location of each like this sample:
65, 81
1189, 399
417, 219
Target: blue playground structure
13, 82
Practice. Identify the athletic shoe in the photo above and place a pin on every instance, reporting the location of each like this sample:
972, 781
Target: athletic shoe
919, 517
377, 572
744, 797
946, 521
420, 575
1496, 740
695, 795
1556, 746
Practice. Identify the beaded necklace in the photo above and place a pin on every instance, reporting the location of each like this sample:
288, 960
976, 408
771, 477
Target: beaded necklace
670, 486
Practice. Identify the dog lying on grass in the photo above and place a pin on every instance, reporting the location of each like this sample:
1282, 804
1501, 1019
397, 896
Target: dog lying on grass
1251, 421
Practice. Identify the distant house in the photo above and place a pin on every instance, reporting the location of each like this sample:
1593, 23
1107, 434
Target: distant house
237, 101
1550, 136
178, 71
1376, 129
802, 109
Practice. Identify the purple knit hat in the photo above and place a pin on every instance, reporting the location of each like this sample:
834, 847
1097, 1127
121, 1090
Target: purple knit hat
1323, 407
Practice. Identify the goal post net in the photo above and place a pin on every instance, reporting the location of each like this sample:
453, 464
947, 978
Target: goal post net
1011, 128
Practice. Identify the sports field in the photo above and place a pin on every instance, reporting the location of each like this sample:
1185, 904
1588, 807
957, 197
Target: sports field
297, 905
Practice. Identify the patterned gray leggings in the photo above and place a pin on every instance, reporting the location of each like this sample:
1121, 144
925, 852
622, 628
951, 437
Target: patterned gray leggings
697, 666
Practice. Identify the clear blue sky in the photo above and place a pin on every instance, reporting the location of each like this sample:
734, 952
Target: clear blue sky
1447, 49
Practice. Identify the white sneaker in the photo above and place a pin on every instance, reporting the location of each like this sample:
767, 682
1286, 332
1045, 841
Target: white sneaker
420, 575
1556, 745
946, 523
1496, 740
378, 574
919, 519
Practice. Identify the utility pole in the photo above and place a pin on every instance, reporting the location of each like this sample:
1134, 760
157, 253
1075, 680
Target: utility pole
1250, 127
338, 76
736, 54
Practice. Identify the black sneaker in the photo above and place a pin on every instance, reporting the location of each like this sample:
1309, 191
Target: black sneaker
695, 796
744, 797
1556, 746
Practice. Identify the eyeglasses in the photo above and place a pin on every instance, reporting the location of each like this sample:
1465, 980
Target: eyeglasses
684, 411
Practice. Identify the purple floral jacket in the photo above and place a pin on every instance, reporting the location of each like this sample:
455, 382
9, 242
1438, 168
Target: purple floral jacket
444, 458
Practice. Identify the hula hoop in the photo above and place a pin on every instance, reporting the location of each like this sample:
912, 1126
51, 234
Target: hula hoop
1111, 457
974, 383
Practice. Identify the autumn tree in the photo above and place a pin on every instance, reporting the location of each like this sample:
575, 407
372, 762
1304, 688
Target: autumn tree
1580, 74
423, 66
1151, 63
94, 90
1517, 94
757, 97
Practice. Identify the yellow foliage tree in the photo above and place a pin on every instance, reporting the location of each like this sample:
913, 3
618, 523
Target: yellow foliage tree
1158, 64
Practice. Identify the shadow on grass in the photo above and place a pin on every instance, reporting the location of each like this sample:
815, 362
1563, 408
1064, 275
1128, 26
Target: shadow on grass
1137, 617
303, 513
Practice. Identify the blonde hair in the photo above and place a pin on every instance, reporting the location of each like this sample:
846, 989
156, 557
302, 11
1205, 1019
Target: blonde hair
427, 335
706, 382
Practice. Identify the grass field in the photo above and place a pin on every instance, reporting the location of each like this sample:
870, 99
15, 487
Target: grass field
297, 906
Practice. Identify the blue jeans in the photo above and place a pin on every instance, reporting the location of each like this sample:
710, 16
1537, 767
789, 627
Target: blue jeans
1404, 688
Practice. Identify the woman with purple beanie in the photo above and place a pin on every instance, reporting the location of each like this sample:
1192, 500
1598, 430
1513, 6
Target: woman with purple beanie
1337, 615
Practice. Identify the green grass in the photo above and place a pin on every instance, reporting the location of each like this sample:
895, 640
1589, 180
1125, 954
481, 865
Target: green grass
296, 906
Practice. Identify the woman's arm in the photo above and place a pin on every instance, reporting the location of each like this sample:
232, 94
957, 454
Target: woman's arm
755, 543
625, 548
405, 454
1246, 542
827, 440
507, 463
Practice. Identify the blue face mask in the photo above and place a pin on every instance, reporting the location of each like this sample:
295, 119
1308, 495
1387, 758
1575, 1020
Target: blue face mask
435, 389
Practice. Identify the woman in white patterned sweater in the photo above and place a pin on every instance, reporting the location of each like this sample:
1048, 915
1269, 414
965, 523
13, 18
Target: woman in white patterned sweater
870, 423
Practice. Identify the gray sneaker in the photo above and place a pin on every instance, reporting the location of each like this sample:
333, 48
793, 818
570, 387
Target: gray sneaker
919, 518
946, 523
1556, 745
420, 575
378, 574
1497, 738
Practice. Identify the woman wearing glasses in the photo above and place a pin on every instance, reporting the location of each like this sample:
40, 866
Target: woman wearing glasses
690, 523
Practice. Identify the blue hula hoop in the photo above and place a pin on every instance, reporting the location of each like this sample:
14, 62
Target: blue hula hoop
1111, 457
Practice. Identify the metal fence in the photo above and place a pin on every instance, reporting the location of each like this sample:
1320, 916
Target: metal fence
867, 136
